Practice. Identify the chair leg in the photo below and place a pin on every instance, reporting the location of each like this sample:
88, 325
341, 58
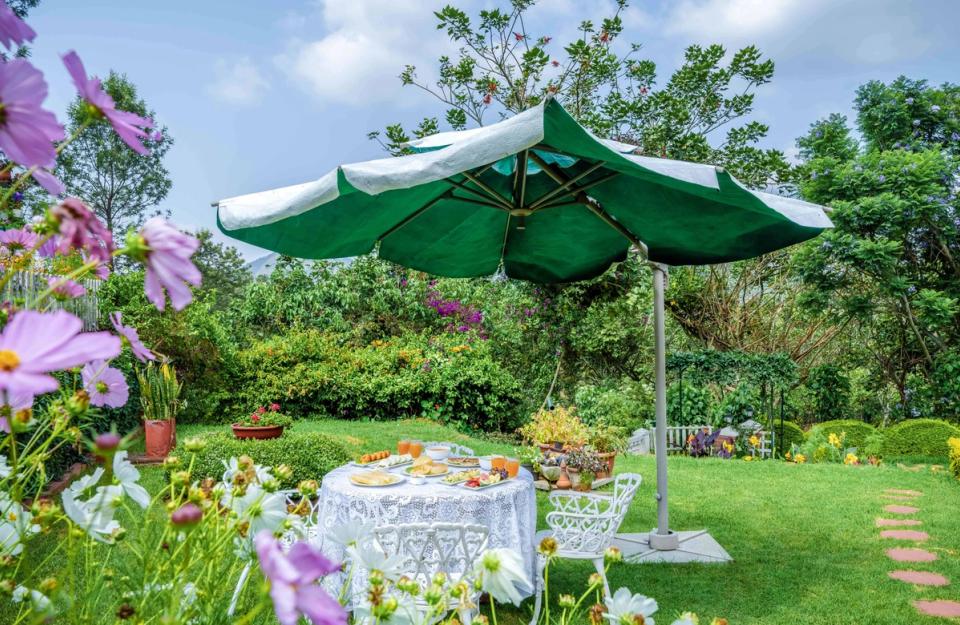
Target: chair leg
598, 564
538, 590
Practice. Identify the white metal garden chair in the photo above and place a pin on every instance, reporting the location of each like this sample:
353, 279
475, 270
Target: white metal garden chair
584, 525
430, 548
456, 449
310, 531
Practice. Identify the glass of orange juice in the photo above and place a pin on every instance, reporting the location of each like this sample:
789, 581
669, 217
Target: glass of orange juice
498, 462
416, 448
513, 467
403, 447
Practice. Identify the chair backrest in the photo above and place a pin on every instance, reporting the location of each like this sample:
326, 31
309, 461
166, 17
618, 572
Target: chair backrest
456, 449
430, 548
625, 486
309, 512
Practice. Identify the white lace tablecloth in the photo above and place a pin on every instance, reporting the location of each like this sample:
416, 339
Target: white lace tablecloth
508, 510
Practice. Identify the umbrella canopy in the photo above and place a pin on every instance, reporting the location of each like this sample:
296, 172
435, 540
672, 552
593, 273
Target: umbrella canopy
536, 196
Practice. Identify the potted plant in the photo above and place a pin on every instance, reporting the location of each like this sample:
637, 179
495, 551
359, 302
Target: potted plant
528, 456
160, 399
583, 466
607, 441
555, 429
262, 423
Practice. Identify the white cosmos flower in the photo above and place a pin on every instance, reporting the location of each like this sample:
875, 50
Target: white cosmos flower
41, 603
95, 516
261, 473
86, 482
4, 467
685, 619
264, 511
128, 475
623, 606
349, 534
15, 525
500, 571
370, 557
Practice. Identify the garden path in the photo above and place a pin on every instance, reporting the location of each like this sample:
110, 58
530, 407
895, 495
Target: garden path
939, 607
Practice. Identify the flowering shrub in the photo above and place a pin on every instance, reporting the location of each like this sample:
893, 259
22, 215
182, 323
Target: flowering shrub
560, 425
824, 447
264, 417
460, 317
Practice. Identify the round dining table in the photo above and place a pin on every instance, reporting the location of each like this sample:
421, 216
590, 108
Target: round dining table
507, 510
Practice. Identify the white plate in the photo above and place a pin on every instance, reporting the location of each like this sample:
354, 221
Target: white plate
486, 486
399, 480
408, 469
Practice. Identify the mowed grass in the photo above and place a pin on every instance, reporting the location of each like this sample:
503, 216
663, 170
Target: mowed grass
803, 537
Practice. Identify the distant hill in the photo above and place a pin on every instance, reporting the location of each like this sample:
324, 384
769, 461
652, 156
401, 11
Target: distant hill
264, 265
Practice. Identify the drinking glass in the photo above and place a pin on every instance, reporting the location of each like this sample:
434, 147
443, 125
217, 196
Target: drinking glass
416, 448
498, 462
403, 447
513, 467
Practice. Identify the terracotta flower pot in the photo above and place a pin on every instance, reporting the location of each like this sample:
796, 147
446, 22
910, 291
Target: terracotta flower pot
260, 431
159, 435
563, 483
608, 457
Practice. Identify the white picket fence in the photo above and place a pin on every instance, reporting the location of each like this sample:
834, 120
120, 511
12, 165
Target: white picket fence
677, 436
25, 286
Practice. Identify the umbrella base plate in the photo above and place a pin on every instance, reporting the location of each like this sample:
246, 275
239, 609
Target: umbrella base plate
694, 546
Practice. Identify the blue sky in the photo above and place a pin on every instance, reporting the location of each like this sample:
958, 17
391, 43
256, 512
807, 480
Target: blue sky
264, 94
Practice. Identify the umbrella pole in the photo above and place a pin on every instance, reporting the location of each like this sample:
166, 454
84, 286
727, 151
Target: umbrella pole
662, 539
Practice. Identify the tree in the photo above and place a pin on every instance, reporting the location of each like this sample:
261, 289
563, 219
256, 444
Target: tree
505, 66
892, 262
116, 182
223, 269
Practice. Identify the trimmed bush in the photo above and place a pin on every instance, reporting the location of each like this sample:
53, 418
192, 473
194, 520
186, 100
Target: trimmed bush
310, 455
954, 444
919, 437
857, 431
792, 435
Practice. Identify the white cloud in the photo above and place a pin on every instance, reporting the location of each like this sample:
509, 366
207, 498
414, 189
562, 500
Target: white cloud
721, 19
239, 82
366, 45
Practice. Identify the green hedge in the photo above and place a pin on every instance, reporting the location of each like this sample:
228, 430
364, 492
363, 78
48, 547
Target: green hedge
311, 455
448, 378
918, 437
792, 435
954, 445
857, 431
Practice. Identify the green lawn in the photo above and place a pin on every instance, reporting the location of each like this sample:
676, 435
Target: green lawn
802, 537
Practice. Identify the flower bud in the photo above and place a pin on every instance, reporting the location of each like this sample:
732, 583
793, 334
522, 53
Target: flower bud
439, 578
594, 580
548, 546
284, 472
596, 613
566, 601
7, 586
180, 478
186, 515
308, 488
271, 485
375, 578
194, 444
107, 443
171, 462
613, 554
245, 463
385, 609
434, 595
78, 403
48, 585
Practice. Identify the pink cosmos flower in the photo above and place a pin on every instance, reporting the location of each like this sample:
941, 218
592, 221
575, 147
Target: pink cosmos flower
81, 230
168, 264
101, 271
19, 240
33, 344
129, 126
65, 289
50, 183
27, 132
13, 30
292, 582
106, 385
50, 247
133, 338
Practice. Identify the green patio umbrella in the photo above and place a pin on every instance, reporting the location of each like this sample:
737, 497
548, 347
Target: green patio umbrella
536, 197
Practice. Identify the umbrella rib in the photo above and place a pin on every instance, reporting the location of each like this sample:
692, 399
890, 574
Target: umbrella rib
573, 192
403, 222
493, 194
498, 201
594, 206
564, 187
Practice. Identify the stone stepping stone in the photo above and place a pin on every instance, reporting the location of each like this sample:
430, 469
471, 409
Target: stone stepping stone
902, 554
940, 607
904, 535
889, 497
900, 491
898, 509
896, 522
920, 578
